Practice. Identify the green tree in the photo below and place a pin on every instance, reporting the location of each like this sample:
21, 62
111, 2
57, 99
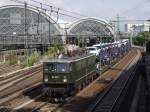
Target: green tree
53, 49
31, 59
142, 38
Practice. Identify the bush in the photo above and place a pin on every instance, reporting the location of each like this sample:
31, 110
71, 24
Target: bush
12, 60
30, 60
54, 49
141, 39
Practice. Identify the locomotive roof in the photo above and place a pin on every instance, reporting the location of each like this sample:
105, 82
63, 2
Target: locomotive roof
69, 59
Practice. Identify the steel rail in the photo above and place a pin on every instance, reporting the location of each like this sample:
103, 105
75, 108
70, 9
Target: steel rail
101, 97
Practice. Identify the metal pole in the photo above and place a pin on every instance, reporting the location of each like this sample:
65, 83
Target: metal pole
110, 54
118, 26
50, 25
49, 31
131, 38
66, 33
45, 36
42, 31
100, 63
26, 32
38, 22
32, 29
66, 41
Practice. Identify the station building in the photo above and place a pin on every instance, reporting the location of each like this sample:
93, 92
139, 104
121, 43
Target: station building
88, 31
23, 26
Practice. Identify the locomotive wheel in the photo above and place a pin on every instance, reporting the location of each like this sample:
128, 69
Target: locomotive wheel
78, 88
97, 75
87, 81
83, 84
92, 78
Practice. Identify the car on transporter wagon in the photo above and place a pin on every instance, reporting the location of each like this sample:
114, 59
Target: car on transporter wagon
93, 50
99, 46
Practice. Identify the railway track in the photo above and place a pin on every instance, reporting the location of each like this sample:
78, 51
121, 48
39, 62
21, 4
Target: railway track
18, 72
18, 82
107, 101
30, 101
18, 75
9, 106
6, 68
82, 101
40, 103
46, 106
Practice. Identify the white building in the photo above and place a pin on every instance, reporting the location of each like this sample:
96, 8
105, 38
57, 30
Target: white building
135, 28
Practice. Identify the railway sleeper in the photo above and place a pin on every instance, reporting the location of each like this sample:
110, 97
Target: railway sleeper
55, 95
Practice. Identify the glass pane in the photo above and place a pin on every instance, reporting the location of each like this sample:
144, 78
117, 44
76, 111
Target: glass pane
51, 67
92, 49
61, 67
15, 18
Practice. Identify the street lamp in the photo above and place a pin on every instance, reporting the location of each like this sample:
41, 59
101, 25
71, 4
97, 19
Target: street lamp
149, 25
131, 35
149, 32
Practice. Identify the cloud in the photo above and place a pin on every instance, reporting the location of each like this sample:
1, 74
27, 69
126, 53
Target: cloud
58, 3
7, 2
98, 8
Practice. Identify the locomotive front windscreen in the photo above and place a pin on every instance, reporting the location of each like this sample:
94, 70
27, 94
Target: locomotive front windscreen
61, 67
55, 68
51, 67
55, 72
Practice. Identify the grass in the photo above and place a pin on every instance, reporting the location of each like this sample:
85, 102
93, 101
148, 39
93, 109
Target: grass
35, 57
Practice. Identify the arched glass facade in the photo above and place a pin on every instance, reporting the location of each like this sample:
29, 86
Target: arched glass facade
90, 29
26, 25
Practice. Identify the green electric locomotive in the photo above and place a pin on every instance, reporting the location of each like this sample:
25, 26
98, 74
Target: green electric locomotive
63, 77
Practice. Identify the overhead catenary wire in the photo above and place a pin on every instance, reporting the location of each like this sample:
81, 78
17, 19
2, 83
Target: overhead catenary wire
131, 20
61, 9
57, 11
132, 9
63, 14
135, 7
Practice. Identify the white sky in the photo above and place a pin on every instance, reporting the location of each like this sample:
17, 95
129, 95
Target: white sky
106, 9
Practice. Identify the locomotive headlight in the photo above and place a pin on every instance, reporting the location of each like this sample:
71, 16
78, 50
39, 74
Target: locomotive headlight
45, 70
45, 78
65, 80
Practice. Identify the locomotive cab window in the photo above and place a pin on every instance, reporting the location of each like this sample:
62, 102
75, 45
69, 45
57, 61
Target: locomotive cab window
55, 68
61, 67
51, 67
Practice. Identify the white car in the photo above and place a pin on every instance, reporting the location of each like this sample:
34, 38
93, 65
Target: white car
99, 46
93, 50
